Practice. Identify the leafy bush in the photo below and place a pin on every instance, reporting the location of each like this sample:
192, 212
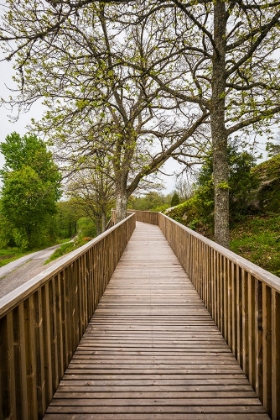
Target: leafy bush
68, 247
198, 211
175, 200
86, 227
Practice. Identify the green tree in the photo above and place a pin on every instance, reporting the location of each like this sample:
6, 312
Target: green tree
273, 148
31, 188
67, 216
93, 193
149, 201
175, 200
242, 184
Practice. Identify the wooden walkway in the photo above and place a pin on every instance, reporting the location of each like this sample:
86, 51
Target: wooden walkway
152, 351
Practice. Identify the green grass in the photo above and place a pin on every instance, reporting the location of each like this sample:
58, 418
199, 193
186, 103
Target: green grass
257, 238
10, 254
67, 247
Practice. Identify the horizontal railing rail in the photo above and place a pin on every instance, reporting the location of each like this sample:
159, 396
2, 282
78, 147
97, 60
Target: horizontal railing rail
141, 216
42, 322
242, 298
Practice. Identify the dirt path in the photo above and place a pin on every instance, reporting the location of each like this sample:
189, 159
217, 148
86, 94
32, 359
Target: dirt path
14, 276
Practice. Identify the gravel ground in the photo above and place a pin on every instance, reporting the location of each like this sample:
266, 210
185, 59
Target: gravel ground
22, 274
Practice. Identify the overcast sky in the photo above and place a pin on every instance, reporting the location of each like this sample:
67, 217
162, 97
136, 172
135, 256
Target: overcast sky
7, 127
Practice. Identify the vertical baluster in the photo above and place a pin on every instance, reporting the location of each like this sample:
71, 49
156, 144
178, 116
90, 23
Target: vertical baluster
216, 280
40, 354
258, 339
20, 366
251, 329
31, 385
59, 328
229, 305
53, 332
8, 379
275, 329
238, 303
267, 349
64, 318
234, 309
225, 298
245, 326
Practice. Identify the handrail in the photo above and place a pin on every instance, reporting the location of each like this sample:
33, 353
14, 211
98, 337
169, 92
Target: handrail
42, 322
150, 217
244, 301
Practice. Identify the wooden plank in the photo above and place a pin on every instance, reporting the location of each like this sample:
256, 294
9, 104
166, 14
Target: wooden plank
31, 362
151, 350
156, 416
22, 397
251, 329
267, 350
40, 357
275, 378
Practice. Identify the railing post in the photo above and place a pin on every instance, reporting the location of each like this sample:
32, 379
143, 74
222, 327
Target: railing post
275, 326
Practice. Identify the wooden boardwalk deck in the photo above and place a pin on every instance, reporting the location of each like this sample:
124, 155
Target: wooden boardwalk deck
152, 351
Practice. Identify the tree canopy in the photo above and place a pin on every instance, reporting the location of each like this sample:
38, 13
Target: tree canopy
31, 188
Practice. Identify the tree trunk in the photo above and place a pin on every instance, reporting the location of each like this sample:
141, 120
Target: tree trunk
218, 129
103, 221
98, 225
121, 205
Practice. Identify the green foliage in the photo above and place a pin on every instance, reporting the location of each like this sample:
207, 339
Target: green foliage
175, 200
268, 195
6, 232
254, 236
31, 187
86, 227
68, 247
273, 149
151, 201
191, 213
66, 218
10, 254
242, 183
198, 212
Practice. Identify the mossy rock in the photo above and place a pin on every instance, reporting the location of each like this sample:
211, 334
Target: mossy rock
268, 170
183, 213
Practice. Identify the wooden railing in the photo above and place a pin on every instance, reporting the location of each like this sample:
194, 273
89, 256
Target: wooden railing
244, 301
42, 322
141, 216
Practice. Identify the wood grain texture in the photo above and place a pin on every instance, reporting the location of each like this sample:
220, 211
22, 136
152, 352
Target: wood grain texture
151, 351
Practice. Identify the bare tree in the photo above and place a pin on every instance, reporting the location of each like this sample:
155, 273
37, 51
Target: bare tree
94, 193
